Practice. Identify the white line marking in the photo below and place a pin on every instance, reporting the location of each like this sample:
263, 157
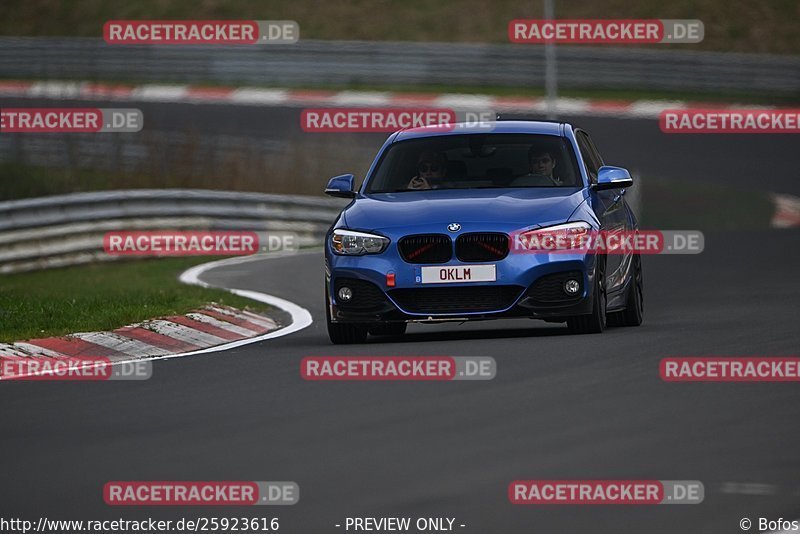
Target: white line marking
530, 104
360, 98
160, 93
259, 96
55, 89
572, 105
463, 101
301, 318
651, 109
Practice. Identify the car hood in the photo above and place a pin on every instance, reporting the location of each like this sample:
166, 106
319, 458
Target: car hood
518, 207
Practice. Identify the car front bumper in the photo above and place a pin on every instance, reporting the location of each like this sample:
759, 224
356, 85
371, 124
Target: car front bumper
526, 286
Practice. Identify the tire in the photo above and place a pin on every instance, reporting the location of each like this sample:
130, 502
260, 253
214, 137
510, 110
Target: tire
388, 329
633, 314
343, 333
347, 333
595, 322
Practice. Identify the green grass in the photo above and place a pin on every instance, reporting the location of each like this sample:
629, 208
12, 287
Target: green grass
671, 204
745, 26
101, 296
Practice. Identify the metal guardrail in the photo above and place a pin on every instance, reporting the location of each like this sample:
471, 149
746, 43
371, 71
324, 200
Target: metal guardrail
400, 64
55, 231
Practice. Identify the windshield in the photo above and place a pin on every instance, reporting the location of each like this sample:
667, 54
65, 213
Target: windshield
476, 161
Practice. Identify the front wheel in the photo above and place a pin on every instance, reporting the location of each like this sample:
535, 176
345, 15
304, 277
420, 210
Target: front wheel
633, 313
388, 329
595, 322
343, 333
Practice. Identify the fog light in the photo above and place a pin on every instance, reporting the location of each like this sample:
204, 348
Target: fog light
572, 286
345, 294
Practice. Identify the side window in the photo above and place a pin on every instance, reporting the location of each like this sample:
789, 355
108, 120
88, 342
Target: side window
595, 153
587, 156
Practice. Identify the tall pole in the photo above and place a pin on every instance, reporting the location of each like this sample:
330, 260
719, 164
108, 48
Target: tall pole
550, 73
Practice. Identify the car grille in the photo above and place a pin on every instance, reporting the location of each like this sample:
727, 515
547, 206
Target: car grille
366, 295
426, 248
549, 289
482, 247
451, 300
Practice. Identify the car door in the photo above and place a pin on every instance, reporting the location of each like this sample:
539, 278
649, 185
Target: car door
609, 206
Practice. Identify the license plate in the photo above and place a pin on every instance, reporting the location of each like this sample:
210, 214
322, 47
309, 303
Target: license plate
458, 273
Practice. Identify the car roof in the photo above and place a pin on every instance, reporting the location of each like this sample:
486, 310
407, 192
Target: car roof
502, 127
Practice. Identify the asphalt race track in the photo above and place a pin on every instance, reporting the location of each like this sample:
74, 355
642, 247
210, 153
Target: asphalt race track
561, 406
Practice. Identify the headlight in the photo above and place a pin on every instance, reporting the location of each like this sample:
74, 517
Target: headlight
349, 243
566, 236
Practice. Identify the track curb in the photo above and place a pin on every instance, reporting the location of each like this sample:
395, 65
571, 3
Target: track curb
212, 328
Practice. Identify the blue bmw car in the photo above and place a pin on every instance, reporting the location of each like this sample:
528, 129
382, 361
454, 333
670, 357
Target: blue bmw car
429, 235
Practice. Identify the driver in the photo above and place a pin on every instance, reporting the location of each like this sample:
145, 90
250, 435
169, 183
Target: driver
542, 163
431, 170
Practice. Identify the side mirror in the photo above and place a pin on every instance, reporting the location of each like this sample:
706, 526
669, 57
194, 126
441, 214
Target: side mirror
341, 186
609, 177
